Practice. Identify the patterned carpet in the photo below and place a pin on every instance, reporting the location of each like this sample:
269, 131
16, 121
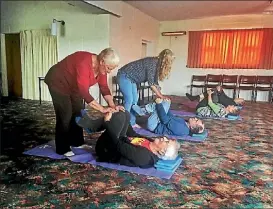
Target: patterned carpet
232, 169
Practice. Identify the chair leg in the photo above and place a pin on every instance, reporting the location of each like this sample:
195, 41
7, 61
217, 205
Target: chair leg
191, 90
234, 91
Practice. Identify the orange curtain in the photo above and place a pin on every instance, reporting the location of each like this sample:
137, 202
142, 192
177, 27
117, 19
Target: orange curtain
231, 49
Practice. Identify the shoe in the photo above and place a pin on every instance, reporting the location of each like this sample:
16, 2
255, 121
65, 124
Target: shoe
69, 154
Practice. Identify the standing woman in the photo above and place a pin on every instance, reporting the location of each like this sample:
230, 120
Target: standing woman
149, 69
69, 82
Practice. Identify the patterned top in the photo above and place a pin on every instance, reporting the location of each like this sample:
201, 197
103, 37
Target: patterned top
142, 70
212, 110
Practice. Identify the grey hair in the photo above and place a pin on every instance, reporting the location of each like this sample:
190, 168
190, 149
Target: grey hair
109, 56
172, 151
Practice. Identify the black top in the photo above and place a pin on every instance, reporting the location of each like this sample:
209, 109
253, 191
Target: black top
110, 148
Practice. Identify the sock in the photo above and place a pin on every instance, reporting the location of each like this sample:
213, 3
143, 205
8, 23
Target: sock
192, 98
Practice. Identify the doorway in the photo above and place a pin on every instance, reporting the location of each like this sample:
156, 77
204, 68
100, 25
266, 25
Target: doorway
14, 72
143, 49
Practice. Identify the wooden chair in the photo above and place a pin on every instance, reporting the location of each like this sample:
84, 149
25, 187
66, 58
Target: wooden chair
230, 82
264, 83
213, 80
118, 97
142, 87
198, 81
247, 83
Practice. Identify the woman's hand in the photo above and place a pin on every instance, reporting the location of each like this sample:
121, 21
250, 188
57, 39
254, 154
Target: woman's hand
158, 100
108, 116
120, 108
108, 109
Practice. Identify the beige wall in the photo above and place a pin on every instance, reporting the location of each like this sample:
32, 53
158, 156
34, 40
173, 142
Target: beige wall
128, 31
181, 76
83, 31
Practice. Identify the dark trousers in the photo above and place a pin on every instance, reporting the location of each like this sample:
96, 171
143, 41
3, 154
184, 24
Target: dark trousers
217, 97
67, 132
105, 147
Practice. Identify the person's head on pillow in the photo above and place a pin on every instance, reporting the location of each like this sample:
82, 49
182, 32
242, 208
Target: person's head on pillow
196, 125
165, 148
232, 110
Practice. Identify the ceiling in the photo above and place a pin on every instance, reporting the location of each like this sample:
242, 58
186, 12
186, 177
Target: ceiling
182, 10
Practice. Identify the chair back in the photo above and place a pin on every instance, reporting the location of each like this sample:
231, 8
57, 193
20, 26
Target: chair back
264, 80
199, 78
214, 78
243, 79
230, 79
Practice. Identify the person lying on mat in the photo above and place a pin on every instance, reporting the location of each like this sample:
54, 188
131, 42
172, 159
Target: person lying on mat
209, 106
220, 97
162, 121
119, 143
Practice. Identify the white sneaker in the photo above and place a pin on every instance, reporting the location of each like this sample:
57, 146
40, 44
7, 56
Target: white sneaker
69, 154
85, 146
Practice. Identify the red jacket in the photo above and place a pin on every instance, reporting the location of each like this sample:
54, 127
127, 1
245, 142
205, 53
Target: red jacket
74, 75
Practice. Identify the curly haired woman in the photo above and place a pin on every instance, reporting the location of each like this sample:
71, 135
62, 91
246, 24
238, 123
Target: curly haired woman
149, 69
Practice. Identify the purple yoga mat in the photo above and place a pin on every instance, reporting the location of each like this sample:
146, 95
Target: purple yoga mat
190, 104
83, 156
145, 132
191, 114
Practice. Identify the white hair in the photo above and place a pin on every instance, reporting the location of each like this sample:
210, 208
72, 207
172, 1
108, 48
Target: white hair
172, 151
109, 56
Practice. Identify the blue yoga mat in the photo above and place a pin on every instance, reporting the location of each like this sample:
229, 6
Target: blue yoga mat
83, 156
168, 166
191, 114
195, 138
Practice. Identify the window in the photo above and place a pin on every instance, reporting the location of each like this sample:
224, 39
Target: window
231, 49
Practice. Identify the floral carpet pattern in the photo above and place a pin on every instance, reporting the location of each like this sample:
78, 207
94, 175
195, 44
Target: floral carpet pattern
233, 168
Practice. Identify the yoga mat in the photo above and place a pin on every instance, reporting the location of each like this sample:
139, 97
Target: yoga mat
83, 156
201, 138
191, 114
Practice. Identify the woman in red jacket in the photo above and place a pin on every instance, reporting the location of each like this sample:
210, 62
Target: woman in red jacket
69, 82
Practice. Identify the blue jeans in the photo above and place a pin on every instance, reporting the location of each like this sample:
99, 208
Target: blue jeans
129, 91
154, 120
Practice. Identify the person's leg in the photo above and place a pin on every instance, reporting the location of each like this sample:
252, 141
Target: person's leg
63, 110
224, 99
126, 88
92, 125
125, 124
105, 147
154, 120
147, 109
134, 102
75, 131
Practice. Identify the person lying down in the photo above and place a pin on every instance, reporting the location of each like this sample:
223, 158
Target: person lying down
220, 97
120, 144
162, 121
214, 103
